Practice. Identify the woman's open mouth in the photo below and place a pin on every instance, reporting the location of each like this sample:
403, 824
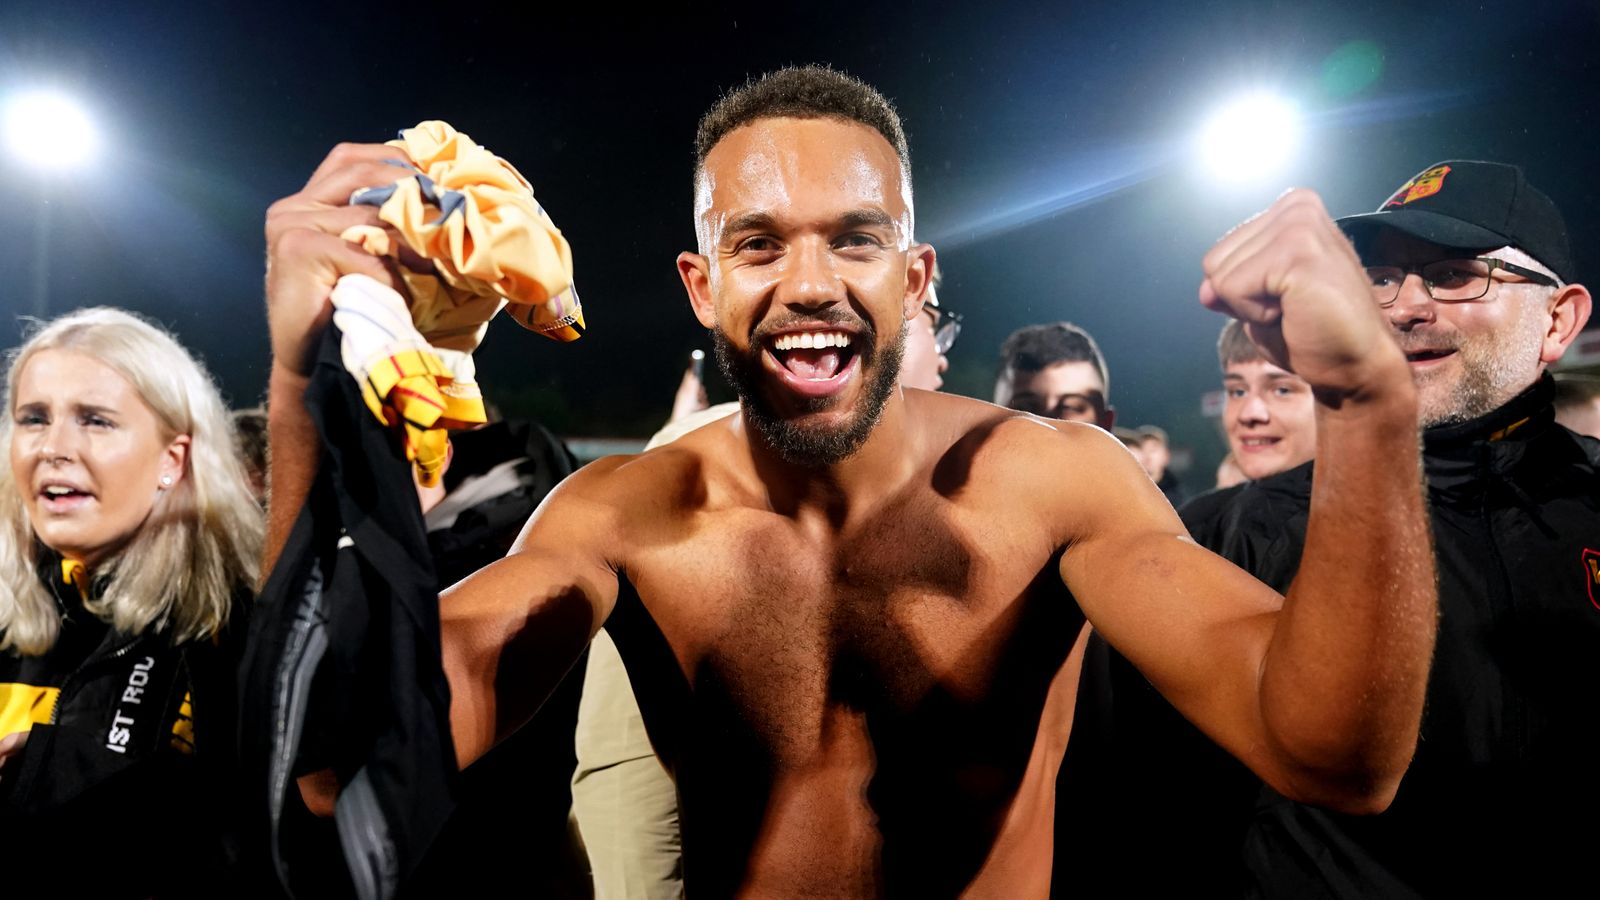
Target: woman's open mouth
63, 497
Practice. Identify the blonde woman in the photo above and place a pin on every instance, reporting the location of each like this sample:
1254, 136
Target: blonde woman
128, 545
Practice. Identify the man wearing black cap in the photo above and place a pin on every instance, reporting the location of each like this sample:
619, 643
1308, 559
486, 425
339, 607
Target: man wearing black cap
1472, 268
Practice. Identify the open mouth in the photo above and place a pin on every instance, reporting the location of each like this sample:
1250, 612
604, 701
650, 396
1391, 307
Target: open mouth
1425, 356
1258, 443
60, 496
814, 363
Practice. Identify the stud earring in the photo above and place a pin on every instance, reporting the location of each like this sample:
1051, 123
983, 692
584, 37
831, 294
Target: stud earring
166, 481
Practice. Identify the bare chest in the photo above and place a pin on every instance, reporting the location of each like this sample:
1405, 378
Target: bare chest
792, 635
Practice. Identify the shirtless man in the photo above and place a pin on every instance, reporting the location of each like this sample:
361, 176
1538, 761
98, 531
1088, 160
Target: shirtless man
845, 610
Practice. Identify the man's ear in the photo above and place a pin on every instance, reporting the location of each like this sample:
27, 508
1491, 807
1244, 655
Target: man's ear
1569, 310
919, 279
695, 270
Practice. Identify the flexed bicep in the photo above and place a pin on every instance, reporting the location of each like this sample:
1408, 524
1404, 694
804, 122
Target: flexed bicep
1318, 692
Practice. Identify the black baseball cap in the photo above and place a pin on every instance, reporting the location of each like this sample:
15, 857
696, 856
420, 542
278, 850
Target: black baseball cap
1473, 205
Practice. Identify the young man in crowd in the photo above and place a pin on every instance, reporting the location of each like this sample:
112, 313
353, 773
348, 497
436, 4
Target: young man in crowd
1055, 371
1269, 417
1268, 413
846, 608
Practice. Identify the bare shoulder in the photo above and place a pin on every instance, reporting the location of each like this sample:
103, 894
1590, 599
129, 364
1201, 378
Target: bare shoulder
1066, 473
615, 493
985, 435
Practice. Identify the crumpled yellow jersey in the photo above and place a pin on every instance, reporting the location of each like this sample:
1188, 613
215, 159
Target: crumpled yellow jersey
474, 217
405, 382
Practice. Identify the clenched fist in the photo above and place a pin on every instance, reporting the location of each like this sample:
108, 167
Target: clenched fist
306, 256
1292, 277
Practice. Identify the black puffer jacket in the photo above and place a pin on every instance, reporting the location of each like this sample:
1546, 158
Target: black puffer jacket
127, 789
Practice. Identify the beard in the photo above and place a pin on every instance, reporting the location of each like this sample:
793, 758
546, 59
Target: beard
1495, 367
812, 446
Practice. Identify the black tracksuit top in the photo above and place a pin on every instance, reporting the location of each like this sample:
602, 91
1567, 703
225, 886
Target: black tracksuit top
1503, 795
122, 793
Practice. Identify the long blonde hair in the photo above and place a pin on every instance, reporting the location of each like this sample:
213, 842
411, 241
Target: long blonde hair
200, 543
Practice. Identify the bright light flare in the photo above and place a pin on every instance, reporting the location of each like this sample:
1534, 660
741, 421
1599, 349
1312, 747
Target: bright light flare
1251, 138
48, 130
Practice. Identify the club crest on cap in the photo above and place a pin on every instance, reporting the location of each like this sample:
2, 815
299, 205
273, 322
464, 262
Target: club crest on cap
1425, 184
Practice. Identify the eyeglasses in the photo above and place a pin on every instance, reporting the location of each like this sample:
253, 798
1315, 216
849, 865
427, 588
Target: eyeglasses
1070, 407
947, 326
1446, 279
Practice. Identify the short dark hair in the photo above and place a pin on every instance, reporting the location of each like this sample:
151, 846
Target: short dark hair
1036, 347
802, 92
1235, 347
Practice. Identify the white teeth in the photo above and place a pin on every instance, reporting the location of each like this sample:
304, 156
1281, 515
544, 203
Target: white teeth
57, 490
812, 340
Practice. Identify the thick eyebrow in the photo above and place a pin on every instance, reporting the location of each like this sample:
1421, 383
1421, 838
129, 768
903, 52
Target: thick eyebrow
748, 221
866, 218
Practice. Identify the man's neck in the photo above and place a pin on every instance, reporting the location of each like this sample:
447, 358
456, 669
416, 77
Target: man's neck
860, 481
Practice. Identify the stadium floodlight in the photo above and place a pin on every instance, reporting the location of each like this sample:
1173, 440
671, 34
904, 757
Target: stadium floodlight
1250, 139
48, 130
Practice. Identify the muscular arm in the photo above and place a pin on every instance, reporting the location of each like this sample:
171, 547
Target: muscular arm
305, 258
1320, 693
512, 630
1359, 620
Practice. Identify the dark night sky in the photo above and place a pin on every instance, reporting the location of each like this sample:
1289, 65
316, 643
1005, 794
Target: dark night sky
1049, 142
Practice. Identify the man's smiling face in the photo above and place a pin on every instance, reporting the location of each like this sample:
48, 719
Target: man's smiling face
806, 277
1468, 357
